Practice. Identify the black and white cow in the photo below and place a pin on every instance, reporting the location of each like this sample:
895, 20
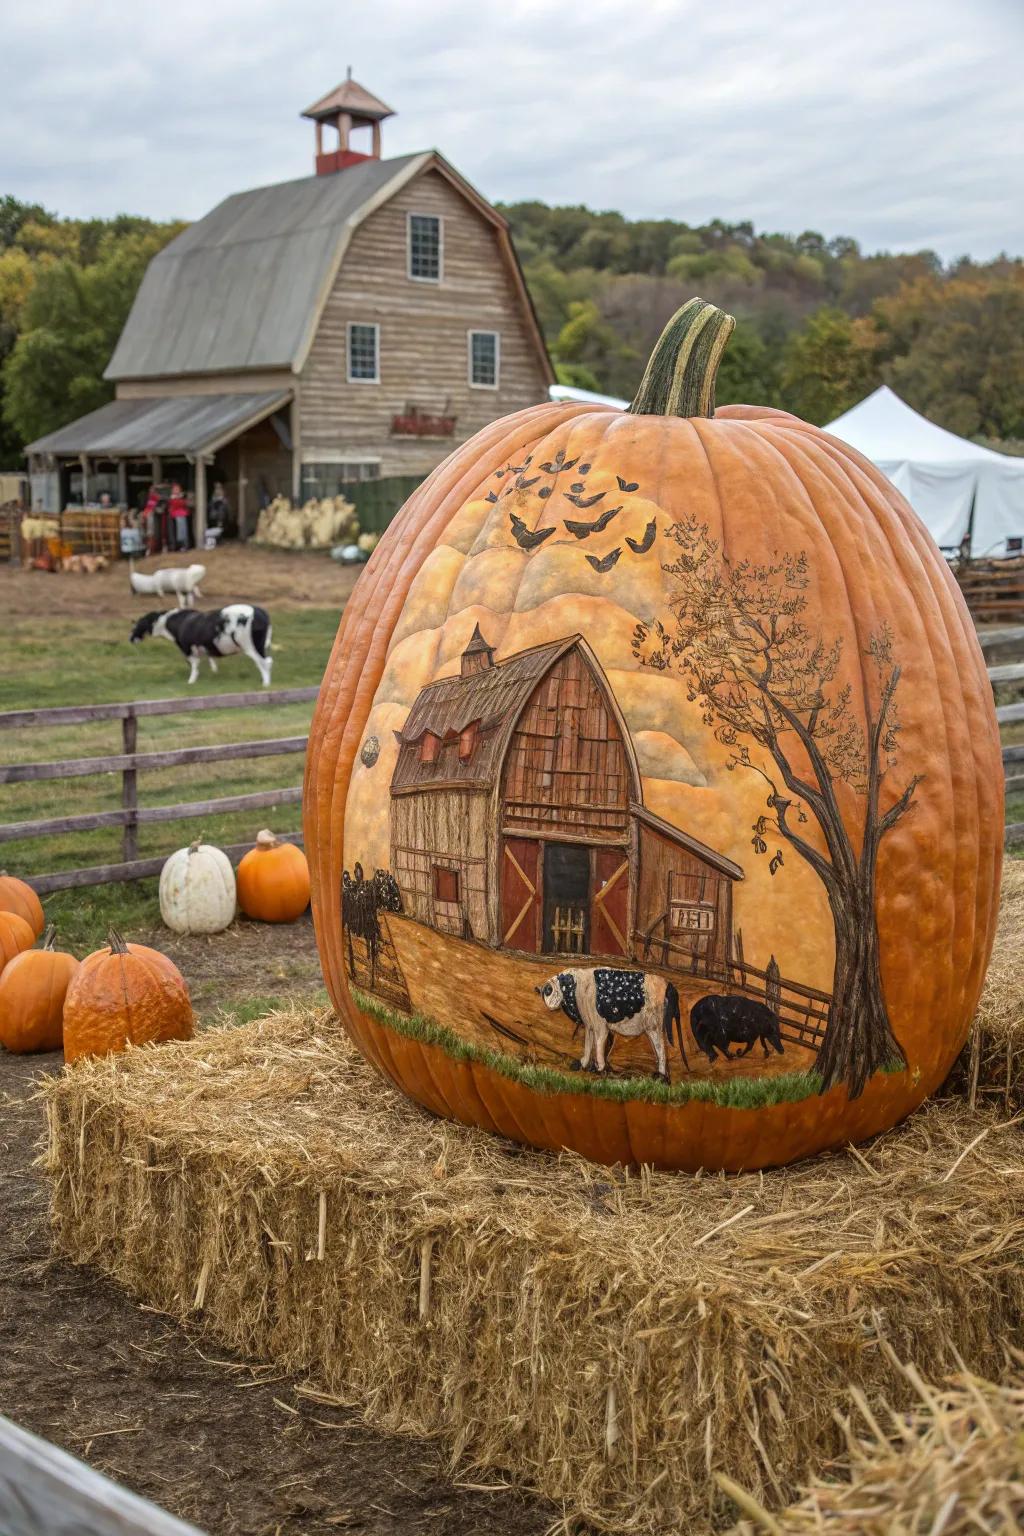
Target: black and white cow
605, 1002
718, 1021
240, 627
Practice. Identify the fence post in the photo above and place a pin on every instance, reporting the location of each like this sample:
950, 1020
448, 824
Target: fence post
129, 789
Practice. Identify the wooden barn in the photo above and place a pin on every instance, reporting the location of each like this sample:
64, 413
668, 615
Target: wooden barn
353, 325
517, 818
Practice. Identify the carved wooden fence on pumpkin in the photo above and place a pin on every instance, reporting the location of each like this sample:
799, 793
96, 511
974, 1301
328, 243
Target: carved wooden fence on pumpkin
130, 763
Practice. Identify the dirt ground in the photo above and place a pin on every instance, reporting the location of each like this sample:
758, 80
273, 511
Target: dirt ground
237, 572
228, 1445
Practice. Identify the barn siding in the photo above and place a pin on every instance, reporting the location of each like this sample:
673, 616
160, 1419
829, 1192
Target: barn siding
423, 359
448, 828
566, 770
695, 881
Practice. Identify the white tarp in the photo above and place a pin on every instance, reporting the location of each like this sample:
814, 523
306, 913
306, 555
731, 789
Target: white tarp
569, 392
942, 476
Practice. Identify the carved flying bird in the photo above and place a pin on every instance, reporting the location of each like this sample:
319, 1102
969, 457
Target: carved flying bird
640, 547
627, 485
584, 501
528, 538
583, 530
608, 561
556, 465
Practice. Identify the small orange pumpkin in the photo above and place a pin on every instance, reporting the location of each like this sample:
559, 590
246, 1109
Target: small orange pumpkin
17, 896
15, 935
273, 880
126, 994
32, 991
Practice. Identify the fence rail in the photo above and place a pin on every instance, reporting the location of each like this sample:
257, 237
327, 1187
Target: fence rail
130, 763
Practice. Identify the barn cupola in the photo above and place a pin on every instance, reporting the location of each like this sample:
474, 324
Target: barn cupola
346, 109
478, 655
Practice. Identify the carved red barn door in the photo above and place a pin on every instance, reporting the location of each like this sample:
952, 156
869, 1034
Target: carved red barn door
521, 895
609, 913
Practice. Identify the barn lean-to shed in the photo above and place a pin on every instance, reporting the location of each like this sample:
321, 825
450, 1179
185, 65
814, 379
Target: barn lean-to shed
517, 818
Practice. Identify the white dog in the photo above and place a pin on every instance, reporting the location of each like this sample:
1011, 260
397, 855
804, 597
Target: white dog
179, 581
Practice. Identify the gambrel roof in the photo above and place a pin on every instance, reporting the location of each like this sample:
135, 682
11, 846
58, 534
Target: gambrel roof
244, 287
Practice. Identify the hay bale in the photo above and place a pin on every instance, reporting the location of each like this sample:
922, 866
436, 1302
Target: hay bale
991, 1065
955, 1464
611, 1340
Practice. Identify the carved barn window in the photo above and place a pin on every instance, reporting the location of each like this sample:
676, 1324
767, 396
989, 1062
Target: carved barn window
446, 883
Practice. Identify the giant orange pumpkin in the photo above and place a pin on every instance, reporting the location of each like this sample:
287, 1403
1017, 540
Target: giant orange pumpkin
126, 994
32, 991
18, 896
657, 744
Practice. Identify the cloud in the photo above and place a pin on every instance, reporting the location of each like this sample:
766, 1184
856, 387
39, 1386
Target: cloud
895, 123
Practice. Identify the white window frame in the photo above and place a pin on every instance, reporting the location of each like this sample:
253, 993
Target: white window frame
415, 213
365, 325
475, 383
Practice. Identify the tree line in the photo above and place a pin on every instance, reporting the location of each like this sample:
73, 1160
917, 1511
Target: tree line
820, 323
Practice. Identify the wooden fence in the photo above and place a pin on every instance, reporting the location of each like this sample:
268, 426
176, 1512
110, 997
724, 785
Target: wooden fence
992, 589
129, 763
44, 1490
1003, 648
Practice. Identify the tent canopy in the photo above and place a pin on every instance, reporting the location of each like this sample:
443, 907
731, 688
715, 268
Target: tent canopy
952, 484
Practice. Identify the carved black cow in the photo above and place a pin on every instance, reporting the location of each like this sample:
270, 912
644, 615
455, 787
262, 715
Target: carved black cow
718, 1022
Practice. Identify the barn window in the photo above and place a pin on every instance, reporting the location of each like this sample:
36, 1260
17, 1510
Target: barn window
430, 746
425, 247
484, 359
363, 353
467, 741
446, 883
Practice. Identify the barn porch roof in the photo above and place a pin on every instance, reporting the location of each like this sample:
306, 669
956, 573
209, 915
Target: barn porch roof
684, 840
164, 424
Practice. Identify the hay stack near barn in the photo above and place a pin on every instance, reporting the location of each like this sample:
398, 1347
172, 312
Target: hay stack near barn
615, 1340
316, 524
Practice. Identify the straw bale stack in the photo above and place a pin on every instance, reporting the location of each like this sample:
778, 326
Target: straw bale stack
612, 1340
954, 1465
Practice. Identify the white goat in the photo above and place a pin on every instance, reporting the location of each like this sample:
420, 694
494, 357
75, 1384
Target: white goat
180, 581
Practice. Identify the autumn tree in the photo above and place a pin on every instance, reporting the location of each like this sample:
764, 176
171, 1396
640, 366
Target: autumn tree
770, 688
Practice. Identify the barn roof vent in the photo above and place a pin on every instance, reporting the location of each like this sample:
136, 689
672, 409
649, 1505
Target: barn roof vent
478, 655
347, 108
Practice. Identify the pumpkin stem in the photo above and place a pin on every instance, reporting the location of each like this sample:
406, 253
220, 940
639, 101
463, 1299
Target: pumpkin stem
50, 937
680, 377
116, 943
266, 839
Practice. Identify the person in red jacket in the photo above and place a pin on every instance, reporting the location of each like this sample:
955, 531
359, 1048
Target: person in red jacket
178, 509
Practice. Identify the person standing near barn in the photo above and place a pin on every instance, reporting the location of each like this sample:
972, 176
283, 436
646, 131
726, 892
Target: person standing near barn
177, 507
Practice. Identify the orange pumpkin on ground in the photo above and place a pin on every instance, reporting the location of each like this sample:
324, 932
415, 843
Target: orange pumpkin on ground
15, 935
17, 896
126, 994
32, 990
658, 744
273, 880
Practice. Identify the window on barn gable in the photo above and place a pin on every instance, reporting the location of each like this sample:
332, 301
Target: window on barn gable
430, 746
484, 358
425, 247
446, 883
363, 353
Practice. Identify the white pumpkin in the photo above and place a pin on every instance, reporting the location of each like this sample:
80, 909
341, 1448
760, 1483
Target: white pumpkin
197, 890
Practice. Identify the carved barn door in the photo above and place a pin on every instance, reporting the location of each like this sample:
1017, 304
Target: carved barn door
609, 921
521, 894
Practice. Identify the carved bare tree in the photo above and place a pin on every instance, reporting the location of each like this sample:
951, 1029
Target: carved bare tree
766, 681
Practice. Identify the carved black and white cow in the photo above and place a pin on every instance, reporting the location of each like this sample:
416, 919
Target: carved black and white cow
606, 1002
718, 1021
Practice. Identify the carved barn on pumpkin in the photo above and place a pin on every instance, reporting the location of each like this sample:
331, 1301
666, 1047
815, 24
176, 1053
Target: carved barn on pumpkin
517, 819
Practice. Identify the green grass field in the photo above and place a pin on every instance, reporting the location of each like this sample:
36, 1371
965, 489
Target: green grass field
89, 661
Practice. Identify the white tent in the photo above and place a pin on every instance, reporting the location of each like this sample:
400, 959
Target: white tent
569, 392
953, 485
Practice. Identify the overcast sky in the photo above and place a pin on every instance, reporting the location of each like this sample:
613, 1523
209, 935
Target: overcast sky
896, 121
